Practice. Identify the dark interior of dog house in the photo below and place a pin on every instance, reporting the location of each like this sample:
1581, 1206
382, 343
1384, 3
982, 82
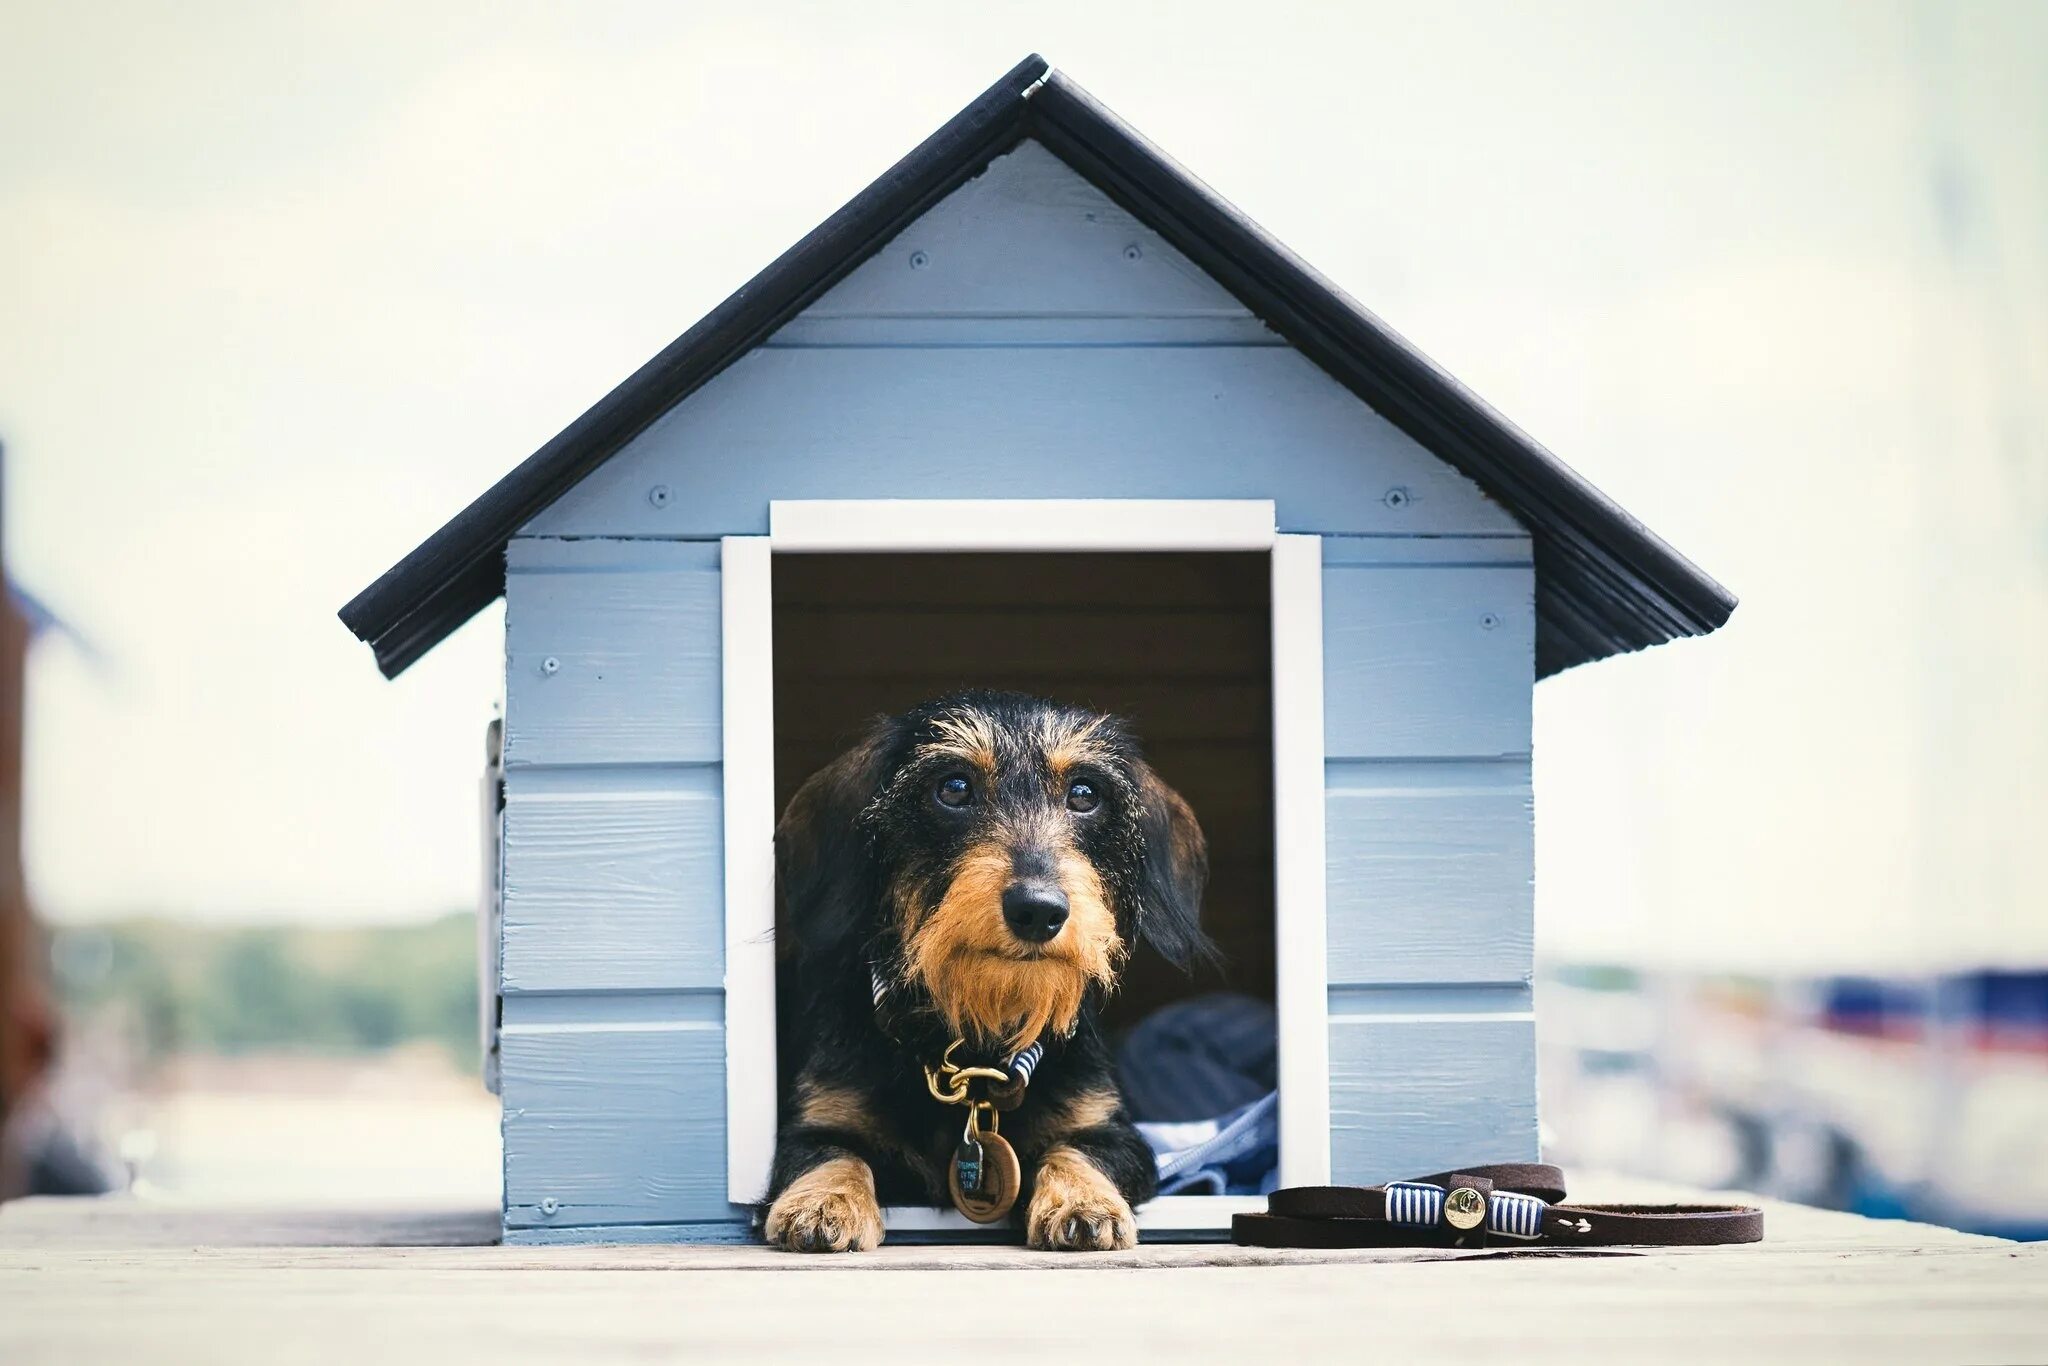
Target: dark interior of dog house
1179, 644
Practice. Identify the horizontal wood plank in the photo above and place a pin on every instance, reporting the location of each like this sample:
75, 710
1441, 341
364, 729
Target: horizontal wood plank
615, 1124
1411, 1095
1467, 552
1427, 661
1431, 872
607, 554
612, 664
1022, 422
613, 882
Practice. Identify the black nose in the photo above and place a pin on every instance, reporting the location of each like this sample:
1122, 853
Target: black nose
1034, 910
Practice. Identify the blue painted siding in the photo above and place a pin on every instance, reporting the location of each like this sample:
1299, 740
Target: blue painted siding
615, 880
1429, 661
1430, 871
611, 652
612, 1066
1023, 421
612, 1123
1028, 239
1416, 1093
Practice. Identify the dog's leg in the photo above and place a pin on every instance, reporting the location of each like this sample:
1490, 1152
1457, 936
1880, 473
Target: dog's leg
1077, 1204
822, 1189
829, 1206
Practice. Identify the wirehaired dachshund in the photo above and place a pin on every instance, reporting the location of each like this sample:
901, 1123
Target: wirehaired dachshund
975, 869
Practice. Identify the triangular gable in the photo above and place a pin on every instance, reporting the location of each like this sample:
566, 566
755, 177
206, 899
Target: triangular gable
1029, 235
1605, 584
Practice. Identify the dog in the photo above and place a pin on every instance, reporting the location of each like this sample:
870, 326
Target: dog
976, 869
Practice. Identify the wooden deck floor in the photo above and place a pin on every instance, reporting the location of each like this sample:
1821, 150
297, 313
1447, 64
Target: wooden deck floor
122, 1280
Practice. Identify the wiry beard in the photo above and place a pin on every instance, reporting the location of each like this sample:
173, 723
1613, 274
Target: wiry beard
992, 989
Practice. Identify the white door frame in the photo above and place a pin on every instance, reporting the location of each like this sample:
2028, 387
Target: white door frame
839, 526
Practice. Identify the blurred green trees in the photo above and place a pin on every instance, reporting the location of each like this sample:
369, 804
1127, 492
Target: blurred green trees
180, 987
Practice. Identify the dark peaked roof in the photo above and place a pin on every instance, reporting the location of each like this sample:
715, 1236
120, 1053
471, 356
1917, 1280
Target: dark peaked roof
1605, 583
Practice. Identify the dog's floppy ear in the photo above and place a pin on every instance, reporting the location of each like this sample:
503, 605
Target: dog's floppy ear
824, 860
1176, 871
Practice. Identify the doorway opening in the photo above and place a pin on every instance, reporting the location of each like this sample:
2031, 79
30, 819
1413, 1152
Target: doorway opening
1179, 644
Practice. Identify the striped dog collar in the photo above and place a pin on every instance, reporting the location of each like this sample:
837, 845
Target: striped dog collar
1020, 1064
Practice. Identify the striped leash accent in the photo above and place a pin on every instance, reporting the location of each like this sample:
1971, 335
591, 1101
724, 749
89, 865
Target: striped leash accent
1509, 1214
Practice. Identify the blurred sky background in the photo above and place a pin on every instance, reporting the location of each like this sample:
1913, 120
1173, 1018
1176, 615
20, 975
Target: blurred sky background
282, 287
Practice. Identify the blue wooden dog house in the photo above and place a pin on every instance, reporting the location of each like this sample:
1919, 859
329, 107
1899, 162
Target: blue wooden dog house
1038, 409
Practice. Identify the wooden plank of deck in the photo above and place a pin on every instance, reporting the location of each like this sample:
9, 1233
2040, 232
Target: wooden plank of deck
122, 1279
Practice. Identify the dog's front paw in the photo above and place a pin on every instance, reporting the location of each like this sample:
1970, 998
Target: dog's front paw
1075, 1208
830, 1208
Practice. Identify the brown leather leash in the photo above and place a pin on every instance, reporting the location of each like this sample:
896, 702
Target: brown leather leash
1519, 1203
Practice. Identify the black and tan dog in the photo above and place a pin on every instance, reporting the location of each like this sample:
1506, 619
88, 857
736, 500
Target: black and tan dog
977, 868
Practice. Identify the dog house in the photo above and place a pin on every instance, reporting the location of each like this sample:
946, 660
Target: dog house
1036, 409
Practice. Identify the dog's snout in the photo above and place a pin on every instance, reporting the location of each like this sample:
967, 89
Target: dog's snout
1034, 910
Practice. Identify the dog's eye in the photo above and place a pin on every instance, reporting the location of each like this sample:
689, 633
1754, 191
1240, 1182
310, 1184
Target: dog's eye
1081, 797
954, 790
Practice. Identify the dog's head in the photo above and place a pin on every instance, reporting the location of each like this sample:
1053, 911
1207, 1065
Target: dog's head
999, 852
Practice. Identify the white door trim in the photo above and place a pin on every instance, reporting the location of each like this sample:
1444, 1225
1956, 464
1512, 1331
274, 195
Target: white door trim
747, 762
843, 526
936, 524
1301, 985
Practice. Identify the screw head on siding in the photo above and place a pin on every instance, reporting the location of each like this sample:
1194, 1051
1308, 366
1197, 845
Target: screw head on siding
658, 495
550, 1206
1489, 621
1396, 497
1133, 252
551, 665
919, 260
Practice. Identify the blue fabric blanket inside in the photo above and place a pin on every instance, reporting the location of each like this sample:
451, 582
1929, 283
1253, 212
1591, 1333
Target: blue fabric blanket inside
1200, 1078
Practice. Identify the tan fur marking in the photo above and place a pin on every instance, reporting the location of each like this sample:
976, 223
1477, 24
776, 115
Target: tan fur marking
1067, 744
1090, 923
830, 1208
1076, 1208
988, 985
970, 736
834, 1107
1089, 1110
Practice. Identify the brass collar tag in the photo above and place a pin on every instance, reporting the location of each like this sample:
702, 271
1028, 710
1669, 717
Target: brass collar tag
983, 1177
